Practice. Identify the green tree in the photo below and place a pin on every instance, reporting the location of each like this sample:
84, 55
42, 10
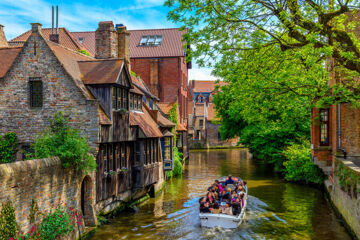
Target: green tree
59, 139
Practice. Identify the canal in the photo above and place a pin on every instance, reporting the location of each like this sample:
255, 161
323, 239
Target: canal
276, 209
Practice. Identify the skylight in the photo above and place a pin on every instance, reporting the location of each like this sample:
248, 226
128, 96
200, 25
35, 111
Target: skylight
81, 39
151, 40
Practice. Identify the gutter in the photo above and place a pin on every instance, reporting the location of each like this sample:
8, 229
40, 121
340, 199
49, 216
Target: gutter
339, 132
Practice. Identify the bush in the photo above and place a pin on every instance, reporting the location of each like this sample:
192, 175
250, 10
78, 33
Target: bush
65, 142
83, 51
58, 223
299, 166
8, 147
8, 226
177, 167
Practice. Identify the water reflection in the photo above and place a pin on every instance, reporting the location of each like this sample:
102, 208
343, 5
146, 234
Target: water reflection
276, 209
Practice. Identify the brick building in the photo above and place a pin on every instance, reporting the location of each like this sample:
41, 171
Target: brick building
203, 126
39, 77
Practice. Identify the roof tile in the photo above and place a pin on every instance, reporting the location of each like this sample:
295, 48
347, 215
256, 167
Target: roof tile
7, 58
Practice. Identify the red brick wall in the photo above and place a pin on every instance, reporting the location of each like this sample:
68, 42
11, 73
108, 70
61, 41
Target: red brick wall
172, 77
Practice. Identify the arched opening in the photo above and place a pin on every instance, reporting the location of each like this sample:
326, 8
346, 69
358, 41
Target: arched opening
86, 208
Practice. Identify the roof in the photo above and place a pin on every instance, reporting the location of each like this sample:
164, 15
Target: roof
66, 39
139, 83
204, 86
69, 60
7, 58
167, 133
136, 90
165, 107
180, 127
145, 122
103, 119
100, 71
171, 46
164, 122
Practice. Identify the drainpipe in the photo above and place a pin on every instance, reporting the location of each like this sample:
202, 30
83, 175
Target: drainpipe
339, 132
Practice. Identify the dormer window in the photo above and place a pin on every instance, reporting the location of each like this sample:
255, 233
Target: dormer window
81, 39
151, 40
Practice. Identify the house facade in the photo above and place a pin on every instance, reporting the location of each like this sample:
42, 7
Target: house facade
203, 127
39, 78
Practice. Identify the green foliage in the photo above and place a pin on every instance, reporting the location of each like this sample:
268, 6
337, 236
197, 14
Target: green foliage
178, 161
8, 147
348, 180
65, 142
57, 223
299, 167
8, 226
34, 211
219, 29
83, 51
133, 73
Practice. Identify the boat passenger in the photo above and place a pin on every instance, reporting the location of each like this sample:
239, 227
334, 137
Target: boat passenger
219, 185
227, 209
229, 180
226, 196
202, 200
239, 189
242, 200
216, 208
204, 208
236, 206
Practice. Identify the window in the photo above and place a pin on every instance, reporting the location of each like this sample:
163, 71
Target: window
139, 103
151, 40
198, 134
135, 101
36, 92
324, 127
119, 97
105, 158
123, 155
131, 101
167, 148
81, 39
201, 99
201, 123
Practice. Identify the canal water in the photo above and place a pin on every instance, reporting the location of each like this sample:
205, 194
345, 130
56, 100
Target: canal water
276, 209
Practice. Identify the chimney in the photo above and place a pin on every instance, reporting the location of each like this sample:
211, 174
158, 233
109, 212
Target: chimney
106, 41
36, 27
54, 37
123, 42
154, 77
3, 41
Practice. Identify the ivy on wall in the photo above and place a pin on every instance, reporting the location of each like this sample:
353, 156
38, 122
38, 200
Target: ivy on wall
8, 147
8, 226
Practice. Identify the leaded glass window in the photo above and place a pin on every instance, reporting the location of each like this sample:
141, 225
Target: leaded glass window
324, 127
36, 92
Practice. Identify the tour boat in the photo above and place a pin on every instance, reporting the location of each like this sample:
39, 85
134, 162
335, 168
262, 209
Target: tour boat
223, 220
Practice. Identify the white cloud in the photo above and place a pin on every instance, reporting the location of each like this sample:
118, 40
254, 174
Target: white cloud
201, 74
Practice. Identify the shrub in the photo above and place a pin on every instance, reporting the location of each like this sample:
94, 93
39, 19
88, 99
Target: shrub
83, 51
65, 142
8, 226
8, 147
299, 166
57, 223
177, 167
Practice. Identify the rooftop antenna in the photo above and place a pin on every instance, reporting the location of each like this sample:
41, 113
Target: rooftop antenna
52, 21
57, 19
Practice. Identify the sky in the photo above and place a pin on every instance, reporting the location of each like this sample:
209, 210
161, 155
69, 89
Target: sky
84, 15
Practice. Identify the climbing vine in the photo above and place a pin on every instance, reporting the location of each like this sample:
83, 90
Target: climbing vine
173, 117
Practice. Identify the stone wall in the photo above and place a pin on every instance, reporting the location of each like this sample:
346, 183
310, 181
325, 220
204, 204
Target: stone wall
46, 182
59, 94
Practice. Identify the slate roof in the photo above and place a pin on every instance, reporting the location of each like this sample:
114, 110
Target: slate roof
66, 39
100, 71
146, 123
7, 58
171, 46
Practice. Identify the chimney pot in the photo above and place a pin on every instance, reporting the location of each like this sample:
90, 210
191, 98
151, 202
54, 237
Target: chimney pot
3, 41
36, 27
